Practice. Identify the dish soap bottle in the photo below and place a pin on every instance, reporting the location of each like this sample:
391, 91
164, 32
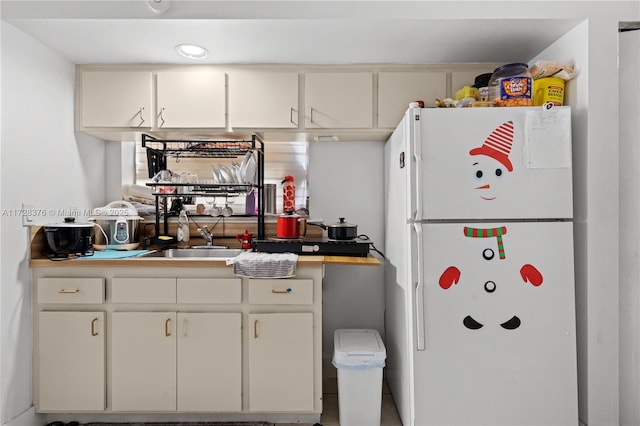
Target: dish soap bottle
183, 230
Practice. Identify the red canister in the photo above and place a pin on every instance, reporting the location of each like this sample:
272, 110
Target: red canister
288, 225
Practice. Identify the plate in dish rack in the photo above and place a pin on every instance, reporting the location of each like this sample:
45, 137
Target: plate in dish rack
215, 173
250, 170
225, 174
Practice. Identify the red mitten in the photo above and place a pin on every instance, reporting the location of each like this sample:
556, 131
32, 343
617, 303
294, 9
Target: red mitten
530, 274
450, 276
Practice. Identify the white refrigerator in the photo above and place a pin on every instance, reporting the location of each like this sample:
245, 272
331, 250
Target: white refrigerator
479, 275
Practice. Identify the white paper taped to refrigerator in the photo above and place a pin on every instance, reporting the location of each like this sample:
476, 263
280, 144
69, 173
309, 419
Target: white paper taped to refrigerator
547, 138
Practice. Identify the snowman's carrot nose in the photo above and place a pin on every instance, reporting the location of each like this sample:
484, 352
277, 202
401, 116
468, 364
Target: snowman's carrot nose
484, 187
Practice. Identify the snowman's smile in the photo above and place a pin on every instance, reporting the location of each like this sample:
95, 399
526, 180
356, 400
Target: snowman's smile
511, 324
487, 187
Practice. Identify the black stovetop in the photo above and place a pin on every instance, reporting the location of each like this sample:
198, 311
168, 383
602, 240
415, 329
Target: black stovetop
314, 246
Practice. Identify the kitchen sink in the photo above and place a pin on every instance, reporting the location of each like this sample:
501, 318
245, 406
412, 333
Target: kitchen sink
195, 253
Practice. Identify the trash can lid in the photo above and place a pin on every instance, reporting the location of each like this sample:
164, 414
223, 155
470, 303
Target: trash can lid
358, 348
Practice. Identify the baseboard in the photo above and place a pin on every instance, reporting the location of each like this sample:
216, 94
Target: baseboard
28, 418
328, 370
182, 417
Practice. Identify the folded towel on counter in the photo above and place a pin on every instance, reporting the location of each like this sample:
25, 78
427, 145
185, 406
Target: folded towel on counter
113, 254
141, 191
143, 203
142, 208
265, 265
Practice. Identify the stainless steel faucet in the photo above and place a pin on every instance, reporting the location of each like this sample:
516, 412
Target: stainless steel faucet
207, 235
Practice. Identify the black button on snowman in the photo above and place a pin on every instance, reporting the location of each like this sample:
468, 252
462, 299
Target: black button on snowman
492, 165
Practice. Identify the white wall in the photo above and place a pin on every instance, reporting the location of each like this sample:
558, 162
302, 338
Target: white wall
629, 228
346, 180
42, 163
574, 48
599, 247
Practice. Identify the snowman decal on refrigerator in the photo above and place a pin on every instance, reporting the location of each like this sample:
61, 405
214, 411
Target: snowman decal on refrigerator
491, 167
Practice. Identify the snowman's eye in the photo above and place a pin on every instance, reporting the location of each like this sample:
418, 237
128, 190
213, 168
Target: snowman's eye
479, 174
499, 172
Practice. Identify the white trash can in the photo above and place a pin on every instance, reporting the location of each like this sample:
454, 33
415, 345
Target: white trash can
359, 356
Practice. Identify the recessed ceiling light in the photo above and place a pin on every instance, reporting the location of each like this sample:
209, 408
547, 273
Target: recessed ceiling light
192, 51
158, 6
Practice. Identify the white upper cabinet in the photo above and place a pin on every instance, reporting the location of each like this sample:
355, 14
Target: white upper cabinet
118, 103
338, 100
397, 89
115, 99
263, 99
190, 99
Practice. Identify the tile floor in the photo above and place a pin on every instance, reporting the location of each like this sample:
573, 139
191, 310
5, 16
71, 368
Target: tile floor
330, 412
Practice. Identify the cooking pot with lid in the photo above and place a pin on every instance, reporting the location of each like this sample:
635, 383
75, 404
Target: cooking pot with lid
340, 230
119, 223
69, 238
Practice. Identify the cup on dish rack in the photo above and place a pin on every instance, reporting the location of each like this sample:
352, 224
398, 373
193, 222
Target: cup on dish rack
164, 176
184, 178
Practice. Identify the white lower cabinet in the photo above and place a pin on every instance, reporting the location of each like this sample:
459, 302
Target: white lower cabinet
179, 340
281, 362
168, 361
143, 361
209, 361
71, 361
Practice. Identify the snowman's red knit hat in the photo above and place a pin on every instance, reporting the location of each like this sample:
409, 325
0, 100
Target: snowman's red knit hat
498, 145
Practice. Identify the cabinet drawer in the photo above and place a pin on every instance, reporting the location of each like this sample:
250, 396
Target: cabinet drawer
281, 292
71, 290
209, 290
143, 290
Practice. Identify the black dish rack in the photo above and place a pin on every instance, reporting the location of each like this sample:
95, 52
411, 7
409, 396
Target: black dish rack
158, 150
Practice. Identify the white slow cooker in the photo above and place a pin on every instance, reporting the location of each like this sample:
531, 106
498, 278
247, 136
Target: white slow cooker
119, 225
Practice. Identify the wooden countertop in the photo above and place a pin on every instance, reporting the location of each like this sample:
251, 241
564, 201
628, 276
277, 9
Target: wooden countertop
303, 261
37, 260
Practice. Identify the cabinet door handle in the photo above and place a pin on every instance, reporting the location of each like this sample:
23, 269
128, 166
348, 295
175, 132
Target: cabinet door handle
287, 291
311, 115
291, 116
140, 113
255, 329
184, 328
167, 331
63, 291
93, 327
161, 116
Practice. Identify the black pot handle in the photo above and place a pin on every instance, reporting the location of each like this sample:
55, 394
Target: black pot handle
321, 225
